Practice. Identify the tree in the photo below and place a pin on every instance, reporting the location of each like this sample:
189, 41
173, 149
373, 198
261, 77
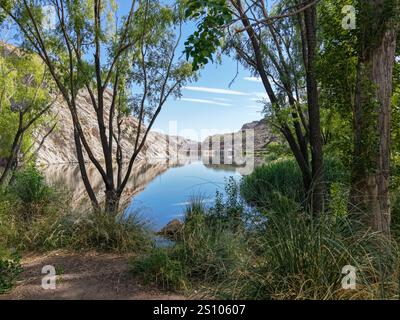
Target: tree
24, 102
136, 65
280, 47
377, 34
336, 68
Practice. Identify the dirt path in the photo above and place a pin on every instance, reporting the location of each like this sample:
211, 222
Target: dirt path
84, 276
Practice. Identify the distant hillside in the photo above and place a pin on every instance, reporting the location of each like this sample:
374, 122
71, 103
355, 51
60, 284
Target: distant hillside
262, 135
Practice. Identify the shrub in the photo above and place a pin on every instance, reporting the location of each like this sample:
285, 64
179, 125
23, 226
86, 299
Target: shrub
29, 186
9, 220
229, 209
106, 232
276, 151
52, 225
10, 269
90, 231
161, 267
285, 255
211, 245
210, 248
268, 181
34, 216
279, 184
395, 223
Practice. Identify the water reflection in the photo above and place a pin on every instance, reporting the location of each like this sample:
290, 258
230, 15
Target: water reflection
69, 177
156, 186
166, 197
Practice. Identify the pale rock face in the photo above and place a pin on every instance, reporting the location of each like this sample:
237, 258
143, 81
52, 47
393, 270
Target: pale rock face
259, 129
59, 146
262, 134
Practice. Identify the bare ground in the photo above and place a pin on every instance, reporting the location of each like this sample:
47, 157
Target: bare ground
83, 276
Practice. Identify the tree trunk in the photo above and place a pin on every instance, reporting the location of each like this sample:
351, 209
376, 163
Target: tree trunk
313, 179
13, 155
112, 201
301, 159
370, 175
317, 162
82, 168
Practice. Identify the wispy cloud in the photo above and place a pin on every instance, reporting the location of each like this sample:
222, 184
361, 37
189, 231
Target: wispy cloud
253, 79
205, 101
222, 99
217, 91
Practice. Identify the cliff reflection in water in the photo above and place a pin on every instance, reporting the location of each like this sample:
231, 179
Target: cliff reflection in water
68, 177
175, 184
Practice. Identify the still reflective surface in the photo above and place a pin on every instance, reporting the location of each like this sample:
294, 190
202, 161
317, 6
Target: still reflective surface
157, 192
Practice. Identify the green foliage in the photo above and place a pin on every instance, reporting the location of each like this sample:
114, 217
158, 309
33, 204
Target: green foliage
270, 184
336, 69
105, 232
339, 194
286, 255
229, 210
276, 151
21, 84
29, 186
279, 185
10, 269
205, 41
208, 251
162, 268
48, 223
395, 215
395, 131
302, 258
58, 229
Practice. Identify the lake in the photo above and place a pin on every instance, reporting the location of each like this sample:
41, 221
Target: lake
167, 196
157, 192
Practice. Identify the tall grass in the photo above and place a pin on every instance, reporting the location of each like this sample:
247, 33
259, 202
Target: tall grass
274, 254
35, 217
278, 185
211, 245
302, 258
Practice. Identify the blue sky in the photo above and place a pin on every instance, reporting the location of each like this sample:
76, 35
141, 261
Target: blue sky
210, 104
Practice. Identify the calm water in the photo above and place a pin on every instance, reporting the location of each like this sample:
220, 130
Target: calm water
157, 193
167, 196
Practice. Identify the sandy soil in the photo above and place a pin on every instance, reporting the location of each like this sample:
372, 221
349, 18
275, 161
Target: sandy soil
83, 276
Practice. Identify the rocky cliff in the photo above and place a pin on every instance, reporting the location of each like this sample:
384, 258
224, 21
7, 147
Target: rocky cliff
260, 130
262, 134
59, 146
243, 148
